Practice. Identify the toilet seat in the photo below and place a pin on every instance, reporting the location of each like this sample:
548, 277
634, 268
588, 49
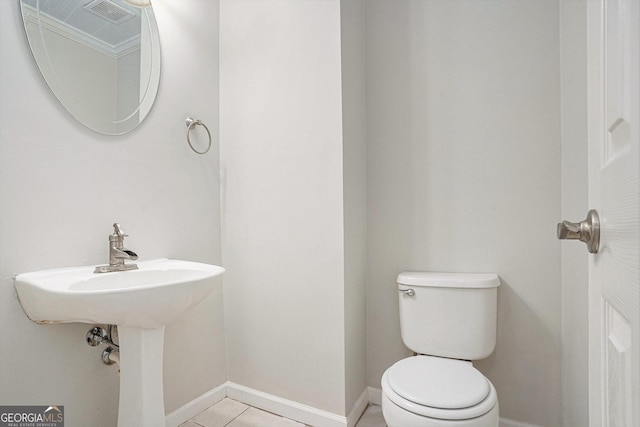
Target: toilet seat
451, 384
445, 389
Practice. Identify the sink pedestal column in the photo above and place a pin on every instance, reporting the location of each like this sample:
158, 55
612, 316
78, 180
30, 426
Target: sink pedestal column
141, 390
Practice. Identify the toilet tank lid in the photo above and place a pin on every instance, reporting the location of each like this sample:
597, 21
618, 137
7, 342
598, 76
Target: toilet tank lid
449, 280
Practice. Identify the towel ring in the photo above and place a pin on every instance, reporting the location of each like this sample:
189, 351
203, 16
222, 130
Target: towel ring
191, 123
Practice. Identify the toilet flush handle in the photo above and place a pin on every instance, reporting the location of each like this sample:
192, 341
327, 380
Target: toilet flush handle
408, 292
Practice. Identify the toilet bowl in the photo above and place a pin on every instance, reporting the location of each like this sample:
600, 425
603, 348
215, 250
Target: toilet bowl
447, 319
427, 391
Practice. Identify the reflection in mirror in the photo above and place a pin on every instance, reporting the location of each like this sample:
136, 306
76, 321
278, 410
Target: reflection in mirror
101, 58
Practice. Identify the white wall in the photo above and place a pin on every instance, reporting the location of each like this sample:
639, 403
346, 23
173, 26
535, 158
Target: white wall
283, 225
61, 188
463, 158
573, 55
464, 173
355, 196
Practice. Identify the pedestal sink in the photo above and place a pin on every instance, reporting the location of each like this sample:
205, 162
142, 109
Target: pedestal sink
140, 302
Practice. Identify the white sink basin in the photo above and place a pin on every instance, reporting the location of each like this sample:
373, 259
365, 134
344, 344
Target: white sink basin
140, 302
150, 297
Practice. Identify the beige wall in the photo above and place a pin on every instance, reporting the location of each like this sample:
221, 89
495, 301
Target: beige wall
463, 159
63, 185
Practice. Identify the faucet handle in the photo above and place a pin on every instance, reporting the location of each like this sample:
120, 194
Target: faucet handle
118, 230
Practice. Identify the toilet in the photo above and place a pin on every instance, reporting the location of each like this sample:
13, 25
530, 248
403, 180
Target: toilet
447, 319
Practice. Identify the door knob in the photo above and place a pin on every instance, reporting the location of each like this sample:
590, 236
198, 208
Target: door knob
587, 231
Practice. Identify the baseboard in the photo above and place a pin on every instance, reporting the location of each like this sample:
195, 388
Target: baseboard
197, 405
288, 408
284, 407
375, 396
358, 408
277, 405
504, 422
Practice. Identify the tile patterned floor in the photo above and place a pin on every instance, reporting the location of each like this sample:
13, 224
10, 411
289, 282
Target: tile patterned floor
230, 413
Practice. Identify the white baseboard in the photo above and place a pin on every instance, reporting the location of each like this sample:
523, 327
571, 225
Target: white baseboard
284, 407
375, 396
287, 408
358, 408
277, 405
504, 422
197, 405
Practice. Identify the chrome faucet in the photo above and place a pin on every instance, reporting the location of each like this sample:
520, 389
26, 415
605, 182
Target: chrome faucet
118, 254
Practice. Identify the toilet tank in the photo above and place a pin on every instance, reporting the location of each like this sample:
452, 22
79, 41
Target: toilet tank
449, 314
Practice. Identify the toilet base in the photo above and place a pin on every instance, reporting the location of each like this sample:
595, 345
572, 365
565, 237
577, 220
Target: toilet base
395, 416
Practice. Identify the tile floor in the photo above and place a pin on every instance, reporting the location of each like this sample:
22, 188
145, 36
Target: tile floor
231, 413
372, 417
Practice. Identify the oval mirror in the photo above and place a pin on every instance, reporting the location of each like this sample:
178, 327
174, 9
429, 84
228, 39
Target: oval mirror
101, 58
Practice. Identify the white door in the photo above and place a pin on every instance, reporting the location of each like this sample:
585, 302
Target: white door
614, 191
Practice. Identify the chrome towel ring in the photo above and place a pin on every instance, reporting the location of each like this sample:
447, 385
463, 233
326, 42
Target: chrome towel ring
191, 123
